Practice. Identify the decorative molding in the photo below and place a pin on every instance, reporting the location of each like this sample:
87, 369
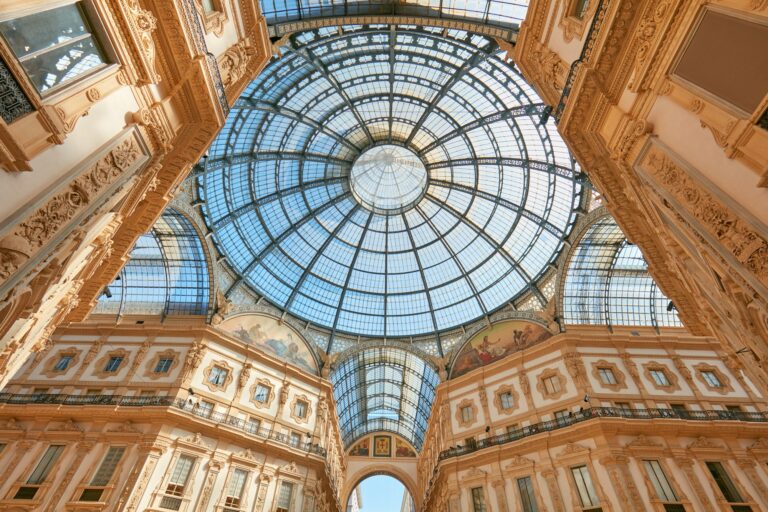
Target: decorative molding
270, 396
141, 24
497, 399
547, 373
706, 443
621, 379
305, 399
671, 377
50, 371
460, 407
725, 381
642, 441
101, 363
222, 364
234, 64
149, 369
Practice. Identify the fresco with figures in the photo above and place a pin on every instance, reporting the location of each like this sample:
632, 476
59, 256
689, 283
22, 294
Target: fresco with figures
272, 337
496, 342
382, 447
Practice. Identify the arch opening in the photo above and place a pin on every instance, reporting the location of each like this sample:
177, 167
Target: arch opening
380, 492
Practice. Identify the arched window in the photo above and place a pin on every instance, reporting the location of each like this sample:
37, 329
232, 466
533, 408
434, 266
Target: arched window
384, 389
607, 283
167, 273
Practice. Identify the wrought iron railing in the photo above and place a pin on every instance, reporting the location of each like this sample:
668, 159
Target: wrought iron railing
229, 420
14, 102
602, 412
586, 52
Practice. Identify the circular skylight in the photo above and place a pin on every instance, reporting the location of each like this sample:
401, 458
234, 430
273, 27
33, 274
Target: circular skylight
390, 181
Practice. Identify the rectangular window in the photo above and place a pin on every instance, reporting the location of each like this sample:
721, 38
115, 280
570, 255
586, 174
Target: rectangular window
163, 365
209, 7
552, 384
733, 408
63, 363
55, 46
43, 467
300, 409
527, 496
180, 475
561, 417
295, 439
660, 377
478, 499
724, 482
218, 376
285, 498
512, 429
607, 376
261, 394
253, 425
235, 490
580, 8
147, 392
205, 409
113, 364
466, 414
103, 475
40, 391
506, 400
711, 379
659, 480
92, 392
583, 481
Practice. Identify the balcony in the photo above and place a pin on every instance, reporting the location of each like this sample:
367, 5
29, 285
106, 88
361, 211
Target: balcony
603, 412
160, 401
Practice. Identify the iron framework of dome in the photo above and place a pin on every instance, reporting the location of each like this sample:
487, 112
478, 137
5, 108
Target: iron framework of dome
281, 196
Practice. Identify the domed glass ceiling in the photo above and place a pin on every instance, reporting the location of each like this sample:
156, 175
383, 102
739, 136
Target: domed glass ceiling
390, 181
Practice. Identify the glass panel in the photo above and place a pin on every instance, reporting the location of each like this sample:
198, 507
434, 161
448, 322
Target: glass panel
478, 499
659, 480
237, 483
63, 363
108, 465
286, 496
53, 46
527, 495
182, 469
586, 490
163, 365
724, 482
45, 464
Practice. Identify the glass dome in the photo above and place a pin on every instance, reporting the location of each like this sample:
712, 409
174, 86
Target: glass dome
390, 181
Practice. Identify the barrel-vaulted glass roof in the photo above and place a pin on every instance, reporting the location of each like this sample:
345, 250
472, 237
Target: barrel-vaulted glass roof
384, 389
322, 224
607, 283
493, 12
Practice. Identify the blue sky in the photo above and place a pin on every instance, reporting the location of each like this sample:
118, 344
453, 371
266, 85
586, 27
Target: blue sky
381, 494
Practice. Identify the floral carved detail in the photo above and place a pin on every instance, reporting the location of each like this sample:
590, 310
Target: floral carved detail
725, 382
498, 403
221, 365
41, 226
745, 243
142, 24
233, 64
671, 377
705, 443
459, 413
642, 441
621, 379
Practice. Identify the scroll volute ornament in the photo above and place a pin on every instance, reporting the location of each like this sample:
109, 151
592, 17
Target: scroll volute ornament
142, 23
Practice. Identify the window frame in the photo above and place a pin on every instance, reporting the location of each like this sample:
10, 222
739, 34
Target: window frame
79, 83
587, 492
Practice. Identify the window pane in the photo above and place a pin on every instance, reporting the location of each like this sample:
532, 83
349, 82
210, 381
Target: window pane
108, 466
584, 485
286, 494
659, 480
46, 463
724, 482
478, 499
527, 496
237, 483
182, 469
43, 30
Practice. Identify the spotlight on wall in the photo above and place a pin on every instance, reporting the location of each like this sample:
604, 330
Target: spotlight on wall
487, 429
671, 306
107, 292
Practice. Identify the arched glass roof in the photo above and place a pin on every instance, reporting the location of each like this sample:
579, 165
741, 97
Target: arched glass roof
384, 389
501, 191
166, 274
494, 12
607, 283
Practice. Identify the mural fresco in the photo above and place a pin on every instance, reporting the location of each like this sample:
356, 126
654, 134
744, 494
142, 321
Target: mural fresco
361, 449
497, 341
402, 449
275, 339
